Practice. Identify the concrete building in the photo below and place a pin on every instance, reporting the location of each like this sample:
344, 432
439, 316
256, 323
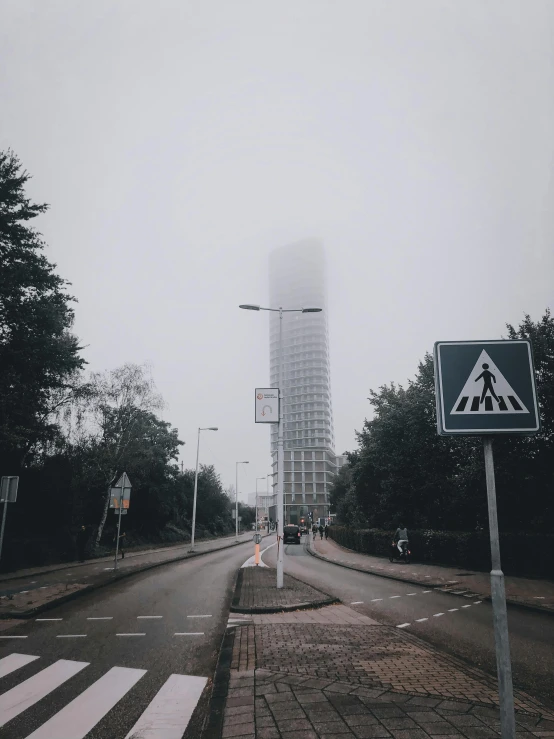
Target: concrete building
297, 279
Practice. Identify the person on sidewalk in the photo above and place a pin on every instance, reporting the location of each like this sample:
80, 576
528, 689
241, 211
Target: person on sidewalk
401, 537
314, 531
320, 531
82, 537
121, 543
326, 531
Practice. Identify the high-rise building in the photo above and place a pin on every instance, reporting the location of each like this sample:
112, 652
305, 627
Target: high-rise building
297, 279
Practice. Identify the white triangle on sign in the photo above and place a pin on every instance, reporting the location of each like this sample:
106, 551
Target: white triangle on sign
123, 482
487, 392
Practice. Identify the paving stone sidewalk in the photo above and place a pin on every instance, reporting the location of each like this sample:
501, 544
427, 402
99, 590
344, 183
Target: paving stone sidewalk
333, 672
256, 590
519, 590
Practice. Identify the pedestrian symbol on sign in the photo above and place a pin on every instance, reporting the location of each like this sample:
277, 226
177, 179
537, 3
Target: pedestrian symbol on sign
491, 384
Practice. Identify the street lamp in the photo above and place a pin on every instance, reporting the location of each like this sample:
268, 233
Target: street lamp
258, 478
280, 453
237, 498
207, 428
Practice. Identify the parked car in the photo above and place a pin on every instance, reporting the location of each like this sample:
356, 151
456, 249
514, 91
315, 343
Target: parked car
291, 534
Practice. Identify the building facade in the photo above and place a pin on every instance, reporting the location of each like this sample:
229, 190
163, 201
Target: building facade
297, 279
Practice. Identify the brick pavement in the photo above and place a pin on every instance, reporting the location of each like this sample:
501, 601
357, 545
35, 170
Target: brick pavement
335, 673
520, 590
256, 589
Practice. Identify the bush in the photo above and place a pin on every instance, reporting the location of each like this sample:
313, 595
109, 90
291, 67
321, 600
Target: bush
522, 553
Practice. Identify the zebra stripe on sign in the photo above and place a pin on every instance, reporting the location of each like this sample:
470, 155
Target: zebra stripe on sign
512, 406
165, 717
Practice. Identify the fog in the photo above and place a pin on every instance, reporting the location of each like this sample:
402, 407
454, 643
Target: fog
179, 142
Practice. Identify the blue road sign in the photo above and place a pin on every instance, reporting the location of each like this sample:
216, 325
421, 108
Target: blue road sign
485, 387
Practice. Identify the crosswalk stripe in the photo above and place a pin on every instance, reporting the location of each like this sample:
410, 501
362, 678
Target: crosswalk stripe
14, 662
27, 693
84, 712
168, 715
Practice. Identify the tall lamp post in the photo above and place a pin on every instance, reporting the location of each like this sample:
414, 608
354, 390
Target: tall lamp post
258, 478
207, 428
237, 498
280, 454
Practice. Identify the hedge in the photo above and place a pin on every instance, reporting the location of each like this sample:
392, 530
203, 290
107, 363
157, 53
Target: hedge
521, 553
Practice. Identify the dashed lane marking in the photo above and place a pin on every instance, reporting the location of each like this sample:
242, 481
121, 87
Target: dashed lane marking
436, 615
208, 615
477, 602
395, 596
13, 636
427, 591
99, 618
139, 634
356, 603
467, 606
373, 600
149, 616
70, 636
538, 597
419, 620
411, 593
48, 619
451, 610
402, 626
188, 633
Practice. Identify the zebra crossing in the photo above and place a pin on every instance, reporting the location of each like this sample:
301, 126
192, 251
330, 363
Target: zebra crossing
511, 404
166, 717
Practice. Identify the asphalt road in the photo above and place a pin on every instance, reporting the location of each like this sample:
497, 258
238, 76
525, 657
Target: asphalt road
454, 624
169, 621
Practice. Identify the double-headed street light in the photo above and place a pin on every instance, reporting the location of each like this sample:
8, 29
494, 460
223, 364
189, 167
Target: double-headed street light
237, 498
280, 454
207, 428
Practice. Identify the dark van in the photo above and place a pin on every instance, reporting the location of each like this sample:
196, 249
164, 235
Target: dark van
291, 534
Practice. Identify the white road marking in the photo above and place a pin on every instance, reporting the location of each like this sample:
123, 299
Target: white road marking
80, 716
453, 581
43, 587
99, 618
411, 593
538, 597
450, 610
375, 599
435, 615
48, 619
395, 596
108, 568
131, 634
168, 715
356, 602
27, 693
23, 591
468, 606
419, 620
208, 615
427, 591
149, 616
188, 633
13, 637
402, 626
427, 575
33, 582
70, 636
14, 662
477, 602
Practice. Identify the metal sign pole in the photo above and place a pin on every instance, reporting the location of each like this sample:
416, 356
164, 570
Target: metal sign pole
119, 524
500, 616
3, 526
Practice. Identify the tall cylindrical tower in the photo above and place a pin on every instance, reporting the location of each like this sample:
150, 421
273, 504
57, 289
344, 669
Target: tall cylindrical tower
297, 279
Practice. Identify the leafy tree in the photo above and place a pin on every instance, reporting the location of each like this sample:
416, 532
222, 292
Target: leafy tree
39, 357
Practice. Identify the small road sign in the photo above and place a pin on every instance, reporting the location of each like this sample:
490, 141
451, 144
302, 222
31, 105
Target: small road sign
257, 538
8, 489
267, 405
485, 387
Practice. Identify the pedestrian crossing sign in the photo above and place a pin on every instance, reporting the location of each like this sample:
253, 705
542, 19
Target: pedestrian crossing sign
485, 387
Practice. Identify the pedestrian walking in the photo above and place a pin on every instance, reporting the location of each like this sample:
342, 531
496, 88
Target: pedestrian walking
326, 531
82, 537
320, 531
121, 543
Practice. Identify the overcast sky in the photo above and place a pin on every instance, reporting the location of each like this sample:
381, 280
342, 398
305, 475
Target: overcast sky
178, 142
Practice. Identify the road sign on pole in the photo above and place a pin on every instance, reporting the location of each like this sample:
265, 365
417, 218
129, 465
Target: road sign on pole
487, 388
267, 405
120, 496
8, 494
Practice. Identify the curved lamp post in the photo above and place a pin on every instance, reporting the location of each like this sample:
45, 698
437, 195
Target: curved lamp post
207, 428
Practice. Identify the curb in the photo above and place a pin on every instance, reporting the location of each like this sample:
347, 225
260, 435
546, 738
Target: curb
320, 603
213, 727
122, 576
513, 603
